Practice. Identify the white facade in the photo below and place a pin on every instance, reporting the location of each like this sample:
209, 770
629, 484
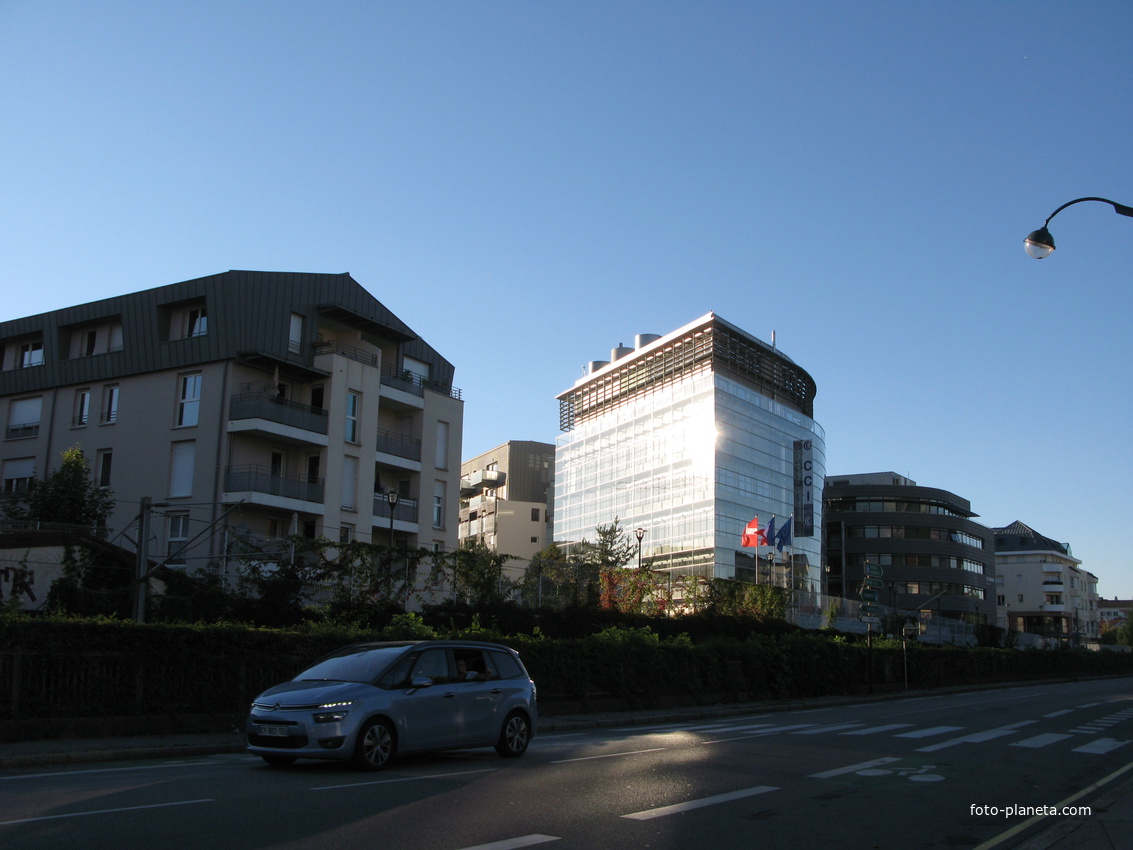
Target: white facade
1043, 589
689, 436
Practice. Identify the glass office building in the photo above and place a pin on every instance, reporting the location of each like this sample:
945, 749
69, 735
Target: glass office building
689, 436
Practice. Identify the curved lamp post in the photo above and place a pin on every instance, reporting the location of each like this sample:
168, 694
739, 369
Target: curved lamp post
1040, 244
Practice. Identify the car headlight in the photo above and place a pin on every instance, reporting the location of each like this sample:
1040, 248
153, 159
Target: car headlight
332, 712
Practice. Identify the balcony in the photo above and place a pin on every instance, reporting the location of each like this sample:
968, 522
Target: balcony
399, 445
414, 384
20, 432
267, 413
250, 478
482, 479
404, 511
335, 347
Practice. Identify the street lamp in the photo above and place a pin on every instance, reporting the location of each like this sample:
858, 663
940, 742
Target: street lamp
639, 533
391, 497
1040, 244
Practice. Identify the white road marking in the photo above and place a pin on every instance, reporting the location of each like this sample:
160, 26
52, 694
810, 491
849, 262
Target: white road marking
512, 843
929, 732
873, 730
391, 780
106, 811
1041, 740
822, 729
973, 738
1101, 746
697, 804
853, 768
610, 755
762, 734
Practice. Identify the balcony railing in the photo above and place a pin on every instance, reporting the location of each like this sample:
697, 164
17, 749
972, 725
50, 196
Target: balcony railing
398, 445
331, 346
259, 479
266, 405
411, 382
18, 432
406, 509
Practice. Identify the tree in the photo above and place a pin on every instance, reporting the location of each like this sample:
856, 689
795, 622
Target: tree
67, 496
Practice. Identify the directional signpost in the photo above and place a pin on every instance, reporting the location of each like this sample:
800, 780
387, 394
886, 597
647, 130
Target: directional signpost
870, 593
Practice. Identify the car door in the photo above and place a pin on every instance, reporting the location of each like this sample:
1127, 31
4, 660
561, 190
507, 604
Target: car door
428, 713
478, 694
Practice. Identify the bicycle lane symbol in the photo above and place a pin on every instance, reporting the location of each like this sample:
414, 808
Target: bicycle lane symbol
895, 774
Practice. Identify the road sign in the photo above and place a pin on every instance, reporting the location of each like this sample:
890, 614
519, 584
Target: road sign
873, 570
868, 594
875, 583
871, 608
869, 618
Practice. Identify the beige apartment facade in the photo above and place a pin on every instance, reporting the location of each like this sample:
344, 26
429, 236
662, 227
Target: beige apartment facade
505, 500
1043, 590
242, 408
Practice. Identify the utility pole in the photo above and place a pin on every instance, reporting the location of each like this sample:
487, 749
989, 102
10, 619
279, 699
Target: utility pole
141, 579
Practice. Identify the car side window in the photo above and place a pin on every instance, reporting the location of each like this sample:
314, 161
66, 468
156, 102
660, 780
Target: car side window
432, 664
472, 666
506, 665
397, 676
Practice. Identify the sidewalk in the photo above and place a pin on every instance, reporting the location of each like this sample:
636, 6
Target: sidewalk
1108, 827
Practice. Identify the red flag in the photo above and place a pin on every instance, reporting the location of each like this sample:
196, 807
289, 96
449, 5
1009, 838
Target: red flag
752, 536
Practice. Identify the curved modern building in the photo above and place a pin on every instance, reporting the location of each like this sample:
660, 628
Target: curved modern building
933, 555
688, 436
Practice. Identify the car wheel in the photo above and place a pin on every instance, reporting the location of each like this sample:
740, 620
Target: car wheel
515, 736
279, 761
375, 746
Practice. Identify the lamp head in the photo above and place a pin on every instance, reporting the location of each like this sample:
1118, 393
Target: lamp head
1039, 243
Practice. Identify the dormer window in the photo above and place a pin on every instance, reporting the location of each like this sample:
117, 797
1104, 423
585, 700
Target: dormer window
187, 320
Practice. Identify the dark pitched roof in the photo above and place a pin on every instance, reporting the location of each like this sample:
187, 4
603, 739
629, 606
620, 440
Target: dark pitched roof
1020, 537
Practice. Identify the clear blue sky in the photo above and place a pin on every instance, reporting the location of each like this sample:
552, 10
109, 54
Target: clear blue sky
527, 184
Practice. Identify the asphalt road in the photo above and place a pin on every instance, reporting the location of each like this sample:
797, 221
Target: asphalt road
934, 772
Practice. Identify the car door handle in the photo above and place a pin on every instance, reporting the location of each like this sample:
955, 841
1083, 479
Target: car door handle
450, 694
497, 690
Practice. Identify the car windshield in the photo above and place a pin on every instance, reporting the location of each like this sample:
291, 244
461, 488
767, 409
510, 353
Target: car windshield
358, 665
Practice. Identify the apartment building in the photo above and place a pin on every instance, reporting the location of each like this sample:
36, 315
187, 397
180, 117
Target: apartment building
1043, 589
247, 406
689, 436
506, 495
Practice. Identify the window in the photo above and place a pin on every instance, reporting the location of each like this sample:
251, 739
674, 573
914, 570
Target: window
353, 402
115, 343
18, 474
295, 334
178, 537
534, 515
31, 354
182, 458
82, 408
23, 417
196, 322
103, 462
439, 504
110, 403
345, 533
188, 407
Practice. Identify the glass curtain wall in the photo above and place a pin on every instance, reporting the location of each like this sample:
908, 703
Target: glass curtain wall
692, 462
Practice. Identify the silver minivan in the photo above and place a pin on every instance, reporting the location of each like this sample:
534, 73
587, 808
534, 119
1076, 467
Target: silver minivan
368, 701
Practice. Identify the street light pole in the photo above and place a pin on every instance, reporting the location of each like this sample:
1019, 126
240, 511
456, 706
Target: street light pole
1040, 244
639, 533
391, 497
